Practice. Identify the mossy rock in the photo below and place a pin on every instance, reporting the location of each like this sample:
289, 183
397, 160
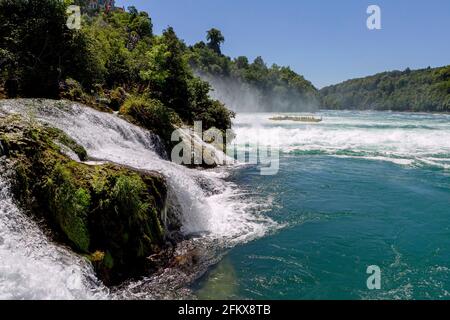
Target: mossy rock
117, 97
153, 115
110, 213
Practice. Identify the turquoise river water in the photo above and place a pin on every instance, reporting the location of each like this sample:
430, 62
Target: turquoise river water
356, 190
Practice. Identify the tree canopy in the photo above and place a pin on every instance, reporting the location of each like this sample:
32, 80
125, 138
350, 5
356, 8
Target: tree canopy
419, 90
114, 57
271, 88
39, 50
215, 39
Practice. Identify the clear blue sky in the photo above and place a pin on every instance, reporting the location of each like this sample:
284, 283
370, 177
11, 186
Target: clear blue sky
327, 41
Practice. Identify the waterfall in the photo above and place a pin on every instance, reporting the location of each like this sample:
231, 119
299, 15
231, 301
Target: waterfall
209, 207
31, 267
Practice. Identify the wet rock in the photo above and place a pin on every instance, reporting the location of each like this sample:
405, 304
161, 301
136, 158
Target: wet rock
112, 214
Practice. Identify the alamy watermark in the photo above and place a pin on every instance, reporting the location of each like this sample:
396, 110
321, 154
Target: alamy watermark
374, 20
374, 280
74, 17
214, 147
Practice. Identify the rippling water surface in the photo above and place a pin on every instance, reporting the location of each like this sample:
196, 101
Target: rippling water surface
358, 189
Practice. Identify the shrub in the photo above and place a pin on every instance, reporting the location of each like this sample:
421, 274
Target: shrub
212, 113
216, 115
117, 97
72, 90
151, 114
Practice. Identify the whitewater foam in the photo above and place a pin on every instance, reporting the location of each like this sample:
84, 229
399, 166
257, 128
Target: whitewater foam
211, 208
110, 138
31, 267
403, 139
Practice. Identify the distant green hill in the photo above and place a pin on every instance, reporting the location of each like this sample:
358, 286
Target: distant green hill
418, 90
250, 86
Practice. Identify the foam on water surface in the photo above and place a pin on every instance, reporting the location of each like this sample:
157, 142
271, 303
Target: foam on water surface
33, 268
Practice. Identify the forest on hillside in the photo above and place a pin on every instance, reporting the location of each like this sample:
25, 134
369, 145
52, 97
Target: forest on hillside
408, 90
246, 85
114, 62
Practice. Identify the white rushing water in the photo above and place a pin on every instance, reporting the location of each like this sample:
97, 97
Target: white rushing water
405, 139
213, 209
31, 267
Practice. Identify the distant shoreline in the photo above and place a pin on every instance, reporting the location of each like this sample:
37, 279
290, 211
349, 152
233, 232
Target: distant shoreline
393, 111
347, 110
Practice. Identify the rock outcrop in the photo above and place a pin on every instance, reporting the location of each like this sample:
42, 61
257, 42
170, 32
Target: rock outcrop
111, 214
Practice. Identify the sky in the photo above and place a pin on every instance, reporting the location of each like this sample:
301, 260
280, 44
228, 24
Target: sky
326, 41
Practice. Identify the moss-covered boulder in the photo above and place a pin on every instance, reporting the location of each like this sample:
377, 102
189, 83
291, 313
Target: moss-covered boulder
109, 213
152, 115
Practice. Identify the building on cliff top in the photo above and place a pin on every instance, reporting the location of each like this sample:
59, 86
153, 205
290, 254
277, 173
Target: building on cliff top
103, 5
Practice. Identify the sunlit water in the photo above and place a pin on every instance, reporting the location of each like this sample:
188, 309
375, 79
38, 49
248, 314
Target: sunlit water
216, 213
358, 189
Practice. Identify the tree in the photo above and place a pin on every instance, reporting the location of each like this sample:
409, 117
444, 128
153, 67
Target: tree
241, 62
133, 11
174, 93
142, 25
259, 63
410, 90
215, 39
44, 50
271, 89
116, 54
156, 72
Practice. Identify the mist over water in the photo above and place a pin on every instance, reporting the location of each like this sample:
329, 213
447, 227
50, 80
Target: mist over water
243, 97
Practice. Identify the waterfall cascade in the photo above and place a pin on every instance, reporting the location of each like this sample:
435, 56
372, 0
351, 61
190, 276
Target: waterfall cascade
207, 206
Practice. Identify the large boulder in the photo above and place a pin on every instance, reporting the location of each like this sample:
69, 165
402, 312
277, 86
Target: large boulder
111, 214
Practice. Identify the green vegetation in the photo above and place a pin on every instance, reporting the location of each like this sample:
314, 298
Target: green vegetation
418, 90
273, 88
113, 58
65, 140
116, 57
70, 206
109, 213
151, 113
38, 50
